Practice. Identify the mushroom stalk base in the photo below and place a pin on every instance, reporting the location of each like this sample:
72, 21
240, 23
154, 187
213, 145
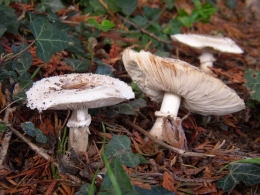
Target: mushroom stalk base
167, 126
170, 107
78, 139
79, 130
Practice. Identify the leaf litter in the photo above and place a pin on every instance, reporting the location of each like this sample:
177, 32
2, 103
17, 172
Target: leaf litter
154, 168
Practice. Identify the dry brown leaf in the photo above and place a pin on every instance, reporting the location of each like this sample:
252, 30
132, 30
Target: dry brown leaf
168, 182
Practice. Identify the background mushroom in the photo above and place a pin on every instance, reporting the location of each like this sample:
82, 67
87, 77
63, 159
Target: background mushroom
207, 43
77, 92
170, 80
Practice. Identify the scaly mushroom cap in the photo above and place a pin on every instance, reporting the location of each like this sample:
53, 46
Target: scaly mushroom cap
201, 92
74, 91
222, 44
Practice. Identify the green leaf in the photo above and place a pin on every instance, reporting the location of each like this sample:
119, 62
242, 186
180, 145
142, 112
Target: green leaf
104, 69
184, 18
32, 131
232, 4
249, 174
127, 6
169, 4
98, 8
76, 47
140, 20
47, 5
49, 39
201, 13
120, 147
8, 19
173, 27
29, 128
3, 127
150, 12
121, 178
156, 190
2, 30
105, 25
84, 190
253, 83
5, 74
78, 65
249, 160
22, 62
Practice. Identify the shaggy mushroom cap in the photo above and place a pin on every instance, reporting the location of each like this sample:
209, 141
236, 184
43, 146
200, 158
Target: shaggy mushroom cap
222, 44
77, 91
201, 93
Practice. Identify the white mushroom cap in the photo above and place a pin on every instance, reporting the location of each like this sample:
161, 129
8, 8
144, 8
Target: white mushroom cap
75, 91
222, 44
201, 92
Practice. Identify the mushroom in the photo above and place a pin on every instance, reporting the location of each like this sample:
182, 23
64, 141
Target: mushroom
77, 92
169, 81
222, 44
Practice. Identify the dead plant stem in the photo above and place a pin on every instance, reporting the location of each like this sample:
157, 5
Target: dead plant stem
174, 149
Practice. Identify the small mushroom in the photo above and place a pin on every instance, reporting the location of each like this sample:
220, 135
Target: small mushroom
77, 92
169, 81
207, 43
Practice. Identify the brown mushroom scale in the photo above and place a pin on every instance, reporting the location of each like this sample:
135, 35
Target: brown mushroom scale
169, 81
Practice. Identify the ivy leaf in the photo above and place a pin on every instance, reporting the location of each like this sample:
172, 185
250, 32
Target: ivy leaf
2, 30
32, 131
150, 12
84, 189
127, 6
253, 83
140, 20
8, 19
121, 178
232, 4
104, 69
120, 147
173, 27
249, 174
78, 65
5, 74
24, 61
49, 39
98, 8
53, 5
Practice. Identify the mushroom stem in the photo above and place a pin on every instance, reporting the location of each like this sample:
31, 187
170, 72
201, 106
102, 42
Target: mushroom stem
79, 130
206, 60
170, 107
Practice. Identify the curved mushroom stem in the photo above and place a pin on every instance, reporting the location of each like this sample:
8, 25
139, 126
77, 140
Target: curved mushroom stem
206, 60
79, 130
170, 107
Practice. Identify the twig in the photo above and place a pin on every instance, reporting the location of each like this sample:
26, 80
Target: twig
33, 146
7, 137
177, 150
143, 30
198, 180
19, 53
42, 153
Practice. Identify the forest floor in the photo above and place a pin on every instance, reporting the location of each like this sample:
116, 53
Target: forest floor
29, 167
